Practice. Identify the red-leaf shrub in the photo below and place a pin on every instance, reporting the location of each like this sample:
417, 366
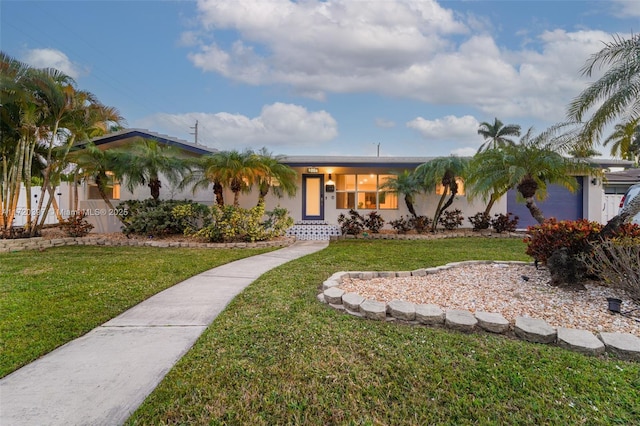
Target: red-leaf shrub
574, 235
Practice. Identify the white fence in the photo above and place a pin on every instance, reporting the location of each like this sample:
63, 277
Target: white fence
611, 206
62, 197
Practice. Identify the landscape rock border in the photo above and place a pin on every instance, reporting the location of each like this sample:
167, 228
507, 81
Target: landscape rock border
39, 243
625, 346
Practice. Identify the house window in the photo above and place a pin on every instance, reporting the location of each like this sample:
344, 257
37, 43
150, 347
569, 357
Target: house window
459, 181
112, 189
363, 192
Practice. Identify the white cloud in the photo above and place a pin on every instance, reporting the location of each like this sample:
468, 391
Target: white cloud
626, 8
52, 58
384, 123
450, 128
401, 48
277, 125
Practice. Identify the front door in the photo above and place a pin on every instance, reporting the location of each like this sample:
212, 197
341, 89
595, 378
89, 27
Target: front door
312, 197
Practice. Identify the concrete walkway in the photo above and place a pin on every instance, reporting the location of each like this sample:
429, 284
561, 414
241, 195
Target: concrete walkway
103, 376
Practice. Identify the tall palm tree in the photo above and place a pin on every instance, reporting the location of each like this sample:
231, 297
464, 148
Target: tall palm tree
404, 183
201, 173
443, 171
615, 94
274, 175
528, 166
145, 160
624, 139
497, 135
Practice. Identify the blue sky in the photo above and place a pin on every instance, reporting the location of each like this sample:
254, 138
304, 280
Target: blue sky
334, 77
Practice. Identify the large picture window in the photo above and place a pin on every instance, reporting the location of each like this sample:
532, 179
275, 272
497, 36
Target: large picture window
363, 192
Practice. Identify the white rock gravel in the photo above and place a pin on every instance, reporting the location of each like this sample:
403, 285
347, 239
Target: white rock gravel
501, 288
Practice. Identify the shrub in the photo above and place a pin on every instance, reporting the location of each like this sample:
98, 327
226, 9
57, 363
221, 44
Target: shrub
277, 223
451, 220
76, 225
552, 235
230, 223
353, 224
420, 223
564, 245
480, 221
192, 216
154, 217
504, 223
402, 225
373, 222
617, 263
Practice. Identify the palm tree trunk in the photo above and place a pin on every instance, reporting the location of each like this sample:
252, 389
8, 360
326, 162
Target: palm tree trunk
492, 201
436, 216
219, 193
409, 202
155, 185
534, 210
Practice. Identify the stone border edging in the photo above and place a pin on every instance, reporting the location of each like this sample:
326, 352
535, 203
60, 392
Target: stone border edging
39, 243
626, 346
459, 233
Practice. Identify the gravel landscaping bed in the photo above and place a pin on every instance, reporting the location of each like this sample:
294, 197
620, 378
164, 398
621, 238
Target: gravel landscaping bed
510, 289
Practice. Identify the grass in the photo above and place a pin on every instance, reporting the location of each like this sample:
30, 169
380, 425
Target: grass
50, 298
278, 356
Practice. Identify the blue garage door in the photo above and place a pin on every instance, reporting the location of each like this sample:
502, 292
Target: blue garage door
560, 203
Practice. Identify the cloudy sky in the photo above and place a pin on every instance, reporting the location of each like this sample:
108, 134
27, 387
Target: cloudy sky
333, 77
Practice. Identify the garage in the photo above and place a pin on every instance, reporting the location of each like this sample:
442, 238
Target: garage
560, 203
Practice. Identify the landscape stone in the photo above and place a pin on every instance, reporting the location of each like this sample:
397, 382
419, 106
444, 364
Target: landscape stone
352, 301
461, 320
330, 283
419, 273
625, 345
333, 295
402, 310
372, 309
535, 330
582, 341
321, 298
429, 314
492, 321
403, 274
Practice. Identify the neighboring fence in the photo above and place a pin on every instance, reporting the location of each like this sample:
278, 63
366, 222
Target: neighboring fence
611, 206
62, 198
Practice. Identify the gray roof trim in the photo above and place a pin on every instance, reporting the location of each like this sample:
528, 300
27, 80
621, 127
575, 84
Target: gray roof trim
146, 134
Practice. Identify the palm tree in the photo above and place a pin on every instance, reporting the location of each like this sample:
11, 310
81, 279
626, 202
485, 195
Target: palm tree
92, 162
404, 183
275, 176
145, 160
497, 135
528, 166
615, 94
624, 139
235, 170
443, 171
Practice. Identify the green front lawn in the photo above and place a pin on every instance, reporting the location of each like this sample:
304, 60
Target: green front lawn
50, 298
277, 356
